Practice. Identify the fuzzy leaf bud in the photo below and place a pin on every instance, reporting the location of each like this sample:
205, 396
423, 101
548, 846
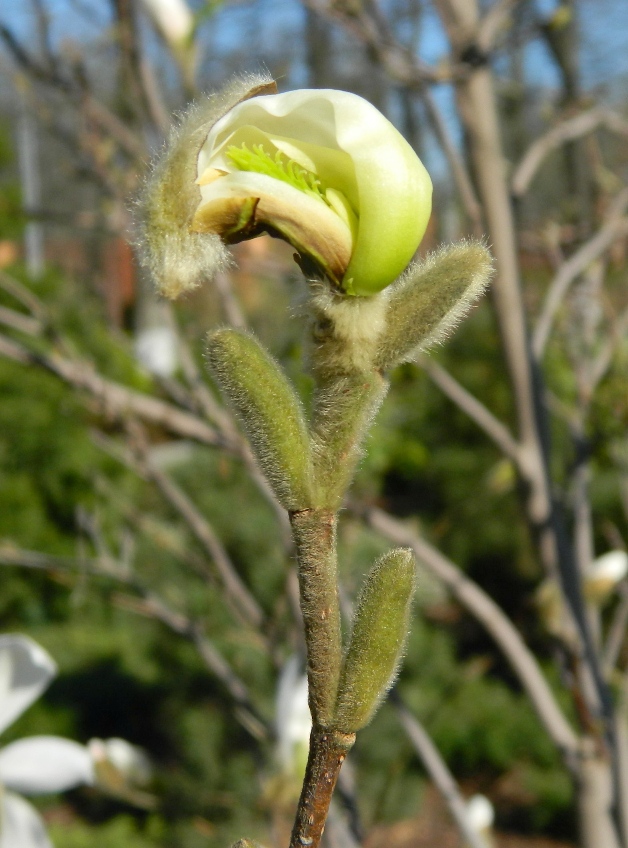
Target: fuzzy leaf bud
378, 638
269, 409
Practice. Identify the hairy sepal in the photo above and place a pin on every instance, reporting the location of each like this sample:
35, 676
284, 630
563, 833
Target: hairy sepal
176, 258
270, 411
378, 638
349, 391
430, 300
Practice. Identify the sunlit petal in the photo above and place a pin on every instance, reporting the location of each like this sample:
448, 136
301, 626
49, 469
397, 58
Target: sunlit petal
21, 825
42, 764
293, 720
25, 671
307, 223
354, 149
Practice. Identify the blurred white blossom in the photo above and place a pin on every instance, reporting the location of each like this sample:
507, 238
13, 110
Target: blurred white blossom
157, 350
173, 19
293, 720
604, 574
40, 765
481, 815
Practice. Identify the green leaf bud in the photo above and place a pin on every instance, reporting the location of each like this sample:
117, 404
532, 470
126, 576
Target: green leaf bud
431, 299
269, 409
344, 408
378, 638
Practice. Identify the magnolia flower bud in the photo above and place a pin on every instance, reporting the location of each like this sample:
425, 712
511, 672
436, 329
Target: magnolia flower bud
322, 169
603, 575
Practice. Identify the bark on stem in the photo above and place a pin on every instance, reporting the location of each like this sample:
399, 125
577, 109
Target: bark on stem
315, 541
328, 751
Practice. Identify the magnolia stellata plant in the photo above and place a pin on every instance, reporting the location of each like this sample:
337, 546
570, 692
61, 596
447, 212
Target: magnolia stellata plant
328, 173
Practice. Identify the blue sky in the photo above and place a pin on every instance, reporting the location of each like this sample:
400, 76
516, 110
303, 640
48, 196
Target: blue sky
604, 27
247, 27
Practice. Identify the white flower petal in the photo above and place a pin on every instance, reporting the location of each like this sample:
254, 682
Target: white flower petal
173, 18
611, 566
130, 761
44, 764
293, 720
21, 825
385, 181
314, 228
481, 813
25, 671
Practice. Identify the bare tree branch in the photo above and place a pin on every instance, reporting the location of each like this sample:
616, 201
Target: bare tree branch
437, 769
20, 322
604, 359
90, 107
614, 227
461, 176
493, 22
116, 400
23, 295
617, 631
469, 404
567, 130
149, 604
245, 602
397, 61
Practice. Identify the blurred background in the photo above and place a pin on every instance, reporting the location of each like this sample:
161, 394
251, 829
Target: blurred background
137, 543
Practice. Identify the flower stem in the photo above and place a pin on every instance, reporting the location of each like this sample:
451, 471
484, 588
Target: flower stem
328, 751
314, 533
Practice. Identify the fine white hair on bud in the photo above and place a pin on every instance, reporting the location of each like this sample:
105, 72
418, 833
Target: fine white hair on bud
177, 258
346, 331
428, 302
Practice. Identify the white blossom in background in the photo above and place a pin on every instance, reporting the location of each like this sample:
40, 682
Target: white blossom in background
604, 574
156, 348
121, 770
292, 717
481, 815
173, 19
41, 765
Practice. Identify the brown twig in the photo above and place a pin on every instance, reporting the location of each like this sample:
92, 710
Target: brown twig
328, 751
615, 226
469, 404
567, 130
437, 769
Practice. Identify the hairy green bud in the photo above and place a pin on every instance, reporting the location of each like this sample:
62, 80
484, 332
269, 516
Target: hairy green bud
378, 637
270, 411
177, 258
344, 408
431, 299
